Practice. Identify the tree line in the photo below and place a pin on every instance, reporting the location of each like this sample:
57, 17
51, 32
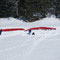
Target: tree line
29, 8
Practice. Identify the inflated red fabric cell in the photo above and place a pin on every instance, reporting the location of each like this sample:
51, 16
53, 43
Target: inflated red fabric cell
13, 29
44, 28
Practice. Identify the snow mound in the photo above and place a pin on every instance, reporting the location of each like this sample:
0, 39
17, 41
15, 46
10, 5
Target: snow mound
18, 45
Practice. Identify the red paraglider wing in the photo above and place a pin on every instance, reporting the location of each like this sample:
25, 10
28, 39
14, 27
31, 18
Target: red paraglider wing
13, 29
35, 28
44, 28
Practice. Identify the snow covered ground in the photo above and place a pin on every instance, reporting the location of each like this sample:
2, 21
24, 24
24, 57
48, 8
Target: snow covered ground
18, 45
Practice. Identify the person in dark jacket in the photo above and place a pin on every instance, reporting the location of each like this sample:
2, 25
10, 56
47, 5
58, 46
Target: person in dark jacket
33, 33
0, 31
29, 32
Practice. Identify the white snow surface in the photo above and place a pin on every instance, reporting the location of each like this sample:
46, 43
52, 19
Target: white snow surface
18, 45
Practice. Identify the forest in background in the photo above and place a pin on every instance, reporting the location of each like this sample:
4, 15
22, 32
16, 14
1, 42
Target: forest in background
29, 9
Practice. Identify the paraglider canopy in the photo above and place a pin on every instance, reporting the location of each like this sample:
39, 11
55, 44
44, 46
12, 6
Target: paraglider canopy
44, 28
13, 29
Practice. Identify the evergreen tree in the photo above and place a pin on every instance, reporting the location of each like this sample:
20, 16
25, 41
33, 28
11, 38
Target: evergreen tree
27, 8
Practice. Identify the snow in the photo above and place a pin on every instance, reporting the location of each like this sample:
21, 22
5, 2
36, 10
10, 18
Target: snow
18, 45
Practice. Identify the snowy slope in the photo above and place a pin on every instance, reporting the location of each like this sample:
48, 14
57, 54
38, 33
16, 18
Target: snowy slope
18, 45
